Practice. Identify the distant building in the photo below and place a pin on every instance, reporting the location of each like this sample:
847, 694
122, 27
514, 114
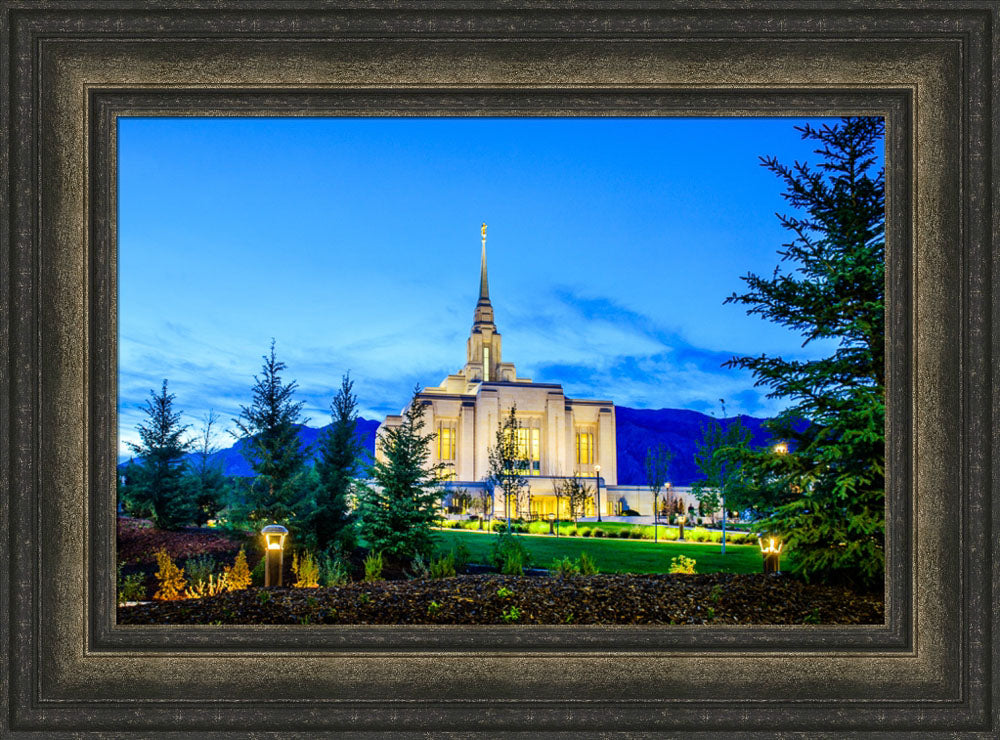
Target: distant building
560, 436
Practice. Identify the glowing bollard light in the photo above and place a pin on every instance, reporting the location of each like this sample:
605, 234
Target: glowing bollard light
552, 522
771, 554
681, 521
274, 539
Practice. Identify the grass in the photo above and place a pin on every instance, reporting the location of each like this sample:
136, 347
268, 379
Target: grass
615, 555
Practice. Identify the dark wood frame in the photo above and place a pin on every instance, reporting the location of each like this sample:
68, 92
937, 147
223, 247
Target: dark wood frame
70, 68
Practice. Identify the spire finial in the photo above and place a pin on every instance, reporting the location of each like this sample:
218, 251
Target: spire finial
484, 288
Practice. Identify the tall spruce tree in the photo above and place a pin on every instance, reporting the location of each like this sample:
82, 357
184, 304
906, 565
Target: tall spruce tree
155, 481
269, 430
827, 481
399, 506
206, 483
331, 522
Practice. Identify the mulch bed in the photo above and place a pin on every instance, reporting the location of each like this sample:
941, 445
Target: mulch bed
716, 598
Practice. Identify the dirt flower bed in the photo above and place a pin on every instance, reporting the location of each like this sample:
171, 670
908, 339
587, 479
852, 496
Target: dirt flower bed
718, 598
138, 542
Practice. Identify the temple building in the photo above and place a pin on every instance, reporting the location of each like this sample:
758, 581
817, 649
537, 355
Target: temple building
559, 436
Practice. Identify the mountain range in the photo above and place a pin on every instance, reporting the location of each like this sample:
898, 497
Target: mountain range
679, 430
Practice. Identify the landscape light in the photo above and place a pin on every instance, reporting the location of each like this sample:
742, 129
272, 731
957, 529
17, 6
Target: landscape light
771, 554
552, 522
781, 448
274, 538
597, 479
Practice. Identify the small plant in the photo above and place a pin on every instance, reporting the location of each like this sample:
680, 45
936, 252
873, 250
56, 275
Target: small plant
171, 578
510, 555
263, 596
715, 594
511, 614
211, 587
332, 570
586, 565
304, 619
564, 567
419, 565
443, 567
710, 613
600, 533
364, 598
812, 617
569, 618
682, 564
433, 609
238, 577
311, 602
461, 556
373, 566
585, 532
306, 570
130, 588
198, 570
504, 593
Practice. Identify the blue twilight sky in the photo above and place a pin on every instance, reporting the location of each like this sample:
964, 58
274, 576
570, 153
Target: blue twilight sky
355, 243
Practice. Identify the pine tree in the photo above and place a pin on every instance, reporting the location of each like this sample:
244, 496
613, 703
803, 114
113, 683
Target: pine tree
155, 482
508, 465
400, 505
827, 485
331, 523
205, 482
269, 430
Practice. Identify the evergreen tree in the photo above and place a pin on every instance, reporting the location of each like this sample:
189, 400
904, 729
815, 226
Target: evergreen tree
155, 481
508, 465
331, 522
827, 485
269, 430
400, 505
205, 481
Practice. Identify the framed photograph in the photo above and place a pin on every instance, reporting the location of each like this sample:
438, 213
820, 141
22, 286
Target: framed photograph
73, 74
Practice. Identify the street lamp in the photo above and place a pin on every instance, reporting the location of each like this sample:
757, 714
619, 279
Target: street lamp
274, 539
781, 448
597, 476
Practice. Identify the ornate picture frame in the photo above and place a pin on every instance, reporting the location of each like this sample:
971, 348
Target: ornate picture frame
71, 69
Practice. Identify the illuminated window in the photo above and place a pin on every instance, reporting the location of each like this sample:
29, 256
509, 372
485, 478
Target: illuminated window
529, 448
446, 443
486, 363
585, 448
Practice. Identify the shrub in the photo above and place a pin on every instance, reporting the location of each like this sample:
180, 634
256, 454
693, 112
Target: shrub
199, 569
564, 567
585, 532
373, 566
171, 578
586, 565
599, 533
210, 587
461, 555
433, 608
238, 577
510, 555
623, 534
130, 588
419, 566
306, 570
333, 570
572, 532
682, 564
635, 533
443, 567
257, 574
504, 593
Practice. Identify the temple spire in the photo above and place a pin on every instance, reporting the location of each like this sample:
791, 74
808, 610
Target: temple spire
484, 287
484, 309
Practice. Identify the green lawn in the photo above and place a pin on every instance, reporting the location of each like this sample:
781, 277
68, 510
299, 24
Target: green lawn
615, 555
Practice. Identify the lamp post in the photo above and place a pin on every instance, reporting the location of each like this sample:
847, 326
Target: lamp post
771, 554
274, 539
597, 477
